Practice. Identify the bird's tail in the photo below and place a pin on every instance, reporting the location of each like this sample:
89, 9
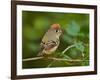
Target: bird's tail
40, 54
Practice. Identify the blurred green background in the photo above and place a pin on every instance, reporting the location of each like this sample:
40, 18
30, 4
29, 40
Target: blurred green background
75, 31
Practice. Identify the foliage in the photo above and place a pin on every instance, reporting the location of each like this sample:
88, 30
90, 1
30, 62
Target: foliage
75, 32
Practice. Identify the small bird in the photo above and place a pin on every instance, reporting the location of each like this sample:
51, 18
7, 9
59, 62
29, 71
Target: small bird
50, 41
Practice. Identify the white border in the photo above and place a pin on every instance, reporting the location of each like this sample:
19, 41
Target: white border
21, 71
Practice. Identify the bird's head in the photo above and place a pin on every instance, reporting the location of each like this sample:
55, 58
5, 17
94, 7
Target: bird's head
56, 29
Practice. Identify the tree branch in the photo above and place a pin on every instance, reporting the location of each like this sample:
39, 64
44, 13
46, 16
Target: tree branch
52, 58
35, 58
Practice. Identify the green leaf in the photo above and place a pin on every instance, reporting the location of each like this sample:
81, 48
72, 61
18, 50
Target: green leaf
80, 46
67, 39
73, 29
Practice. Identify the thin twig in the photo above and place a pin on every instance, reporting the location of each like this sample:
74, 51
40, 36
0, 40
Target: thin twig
50, 64
35, 58
66, 56
60, 59
54, 60
68, 48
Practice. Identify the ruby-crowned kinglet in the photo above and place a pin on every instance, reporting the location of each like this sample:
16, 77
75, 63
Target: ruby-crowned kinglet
50, 41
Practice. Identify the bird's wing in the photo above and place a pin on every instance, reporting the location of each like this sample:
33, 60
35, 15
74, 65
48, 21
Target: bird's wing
50, 45
42, 46
46, 47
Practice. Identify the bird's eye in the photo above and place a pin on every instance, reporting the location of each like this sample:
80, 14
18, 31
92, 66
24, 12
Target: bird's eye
57, 30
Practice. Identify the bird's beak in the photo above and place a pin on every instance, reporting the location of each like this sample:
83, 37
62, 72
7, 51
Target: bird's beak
62, 31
